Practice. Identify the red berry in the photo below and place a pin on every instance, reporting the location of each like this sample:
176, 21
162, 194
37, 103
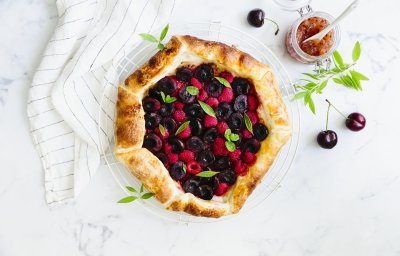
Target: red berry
179, 116
210, 121
226, 95
158, 132
227, 76
179, 105
172, 158
193, 167
240, 168
252, 102
249, 158
212, 102
222, 127
196, 83
185, 134
202, 95
222, 188
235, 155
186, 156
219, 148
253, 117
246, 134
167, 148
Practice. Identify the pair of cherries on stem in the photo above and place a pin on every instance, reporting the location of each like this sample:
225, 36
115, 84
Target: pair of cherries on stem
355, 122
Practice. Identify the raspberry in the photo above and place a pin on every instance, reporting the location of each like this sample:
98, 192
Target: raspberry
219, 147
166, 134
212, 102
222, 188
221, 127
210, 121
226, 95
172, 158
179, 116
179, 105
235, 155
252, 102
167, 148
246, 134
228, 76
196, 83
186, 156
240, 168
249, 158
202, 95
193, 167
253, 117
185, 134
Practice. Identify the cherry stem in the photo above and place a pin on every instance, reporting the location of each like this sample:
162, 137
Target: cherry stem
327, 117
276, 24
337, 110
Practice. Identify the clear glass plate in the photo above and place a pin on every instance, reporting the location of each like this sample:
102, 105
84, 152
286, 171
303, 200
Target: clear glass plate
209, 31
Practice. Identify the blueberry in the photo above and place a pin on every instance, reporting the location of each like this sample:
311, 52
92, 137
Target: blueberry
204, 72
240, 86
166, 110
240, 104
251, 145
150, 104
185, 96
260, 132
205, 192
213, 88
184, 74
156, 94
177, 171
227, 176
205, 158
236, 121
152, 142
170, 124
167, 85
196, 127
151, 120
190, 185
221, 163
177, 145
223, 111
162, 157
195, 144
210, 135
194, 110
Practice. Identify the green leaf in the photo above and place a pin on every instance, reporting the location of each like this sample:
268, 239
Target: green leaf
224, 82
184, 168
182, 127
337, 58
147, 195
230, 146
338, 81
160, 46
248, 124
309, 101
141, 189
358, 75
192, 90
299, 95
131, 189
127, 199
148, 37
169, 99
163, 96
207, 174
209, 110
234, 137
356, 51
311, 75
164, 32
162, 129
322, 86
227, 134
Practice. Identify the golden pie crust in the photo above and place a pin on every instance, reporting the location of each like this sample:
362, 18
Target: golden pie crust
130, 126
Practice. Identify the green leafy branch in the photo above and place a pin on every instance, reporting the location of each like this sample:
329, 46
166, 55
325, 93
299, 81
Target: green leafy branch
153, 39
230, 139
136, 195
342, 74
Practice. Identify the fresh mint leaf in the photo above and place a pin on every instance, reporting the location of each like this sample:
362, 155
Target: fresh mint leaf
248, 123
192, 90
227, 134
127, 199
163, 96
230, 146
182, 127
356, 51
169, 99
164, 32
207, 174
147, 195
209, 110
234, 137
162, 129
224, 82
131, 189
148, 37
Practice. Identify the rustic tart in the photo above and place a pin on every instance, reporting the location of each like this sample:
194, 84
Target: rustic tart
199, 125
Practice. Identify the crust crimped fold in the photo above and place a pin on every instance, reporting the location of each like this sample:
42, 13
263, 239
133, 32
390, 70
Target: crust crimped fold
130, 128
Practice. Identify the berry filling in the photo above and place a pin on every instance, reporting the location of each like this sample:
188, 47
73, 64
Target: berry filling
205, 132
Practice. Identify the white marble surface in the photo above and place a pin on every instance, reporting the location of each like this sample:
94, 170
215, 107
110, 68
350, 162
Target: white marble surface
339, 202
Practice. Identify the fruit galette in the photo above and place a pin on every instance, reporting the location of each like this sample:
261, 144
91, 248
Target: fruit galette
199, 125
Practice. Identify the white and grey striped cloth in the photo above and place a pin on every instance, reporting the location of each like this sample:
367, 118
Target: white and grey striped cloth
64, 98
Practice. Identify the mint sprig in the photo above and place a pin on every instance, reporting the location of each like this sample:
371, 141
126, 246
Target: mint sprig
230, 139
153, 39
192, 90
137, 195
248, 123
182, 127
224, 82
207, 108
342, 74
162, 129
207, 174
167, 98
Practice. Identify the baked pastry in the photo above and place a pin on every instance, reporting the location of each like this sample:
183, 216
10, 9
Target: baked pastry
199, 125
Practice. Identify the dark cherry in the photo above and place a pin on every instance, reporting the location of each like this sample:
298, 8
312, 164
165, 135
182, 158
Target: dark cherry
356, 122
150, 104
236, 121
152, 142
327, 139
184, 74
213, 88
151, 120
228, 176
196, 127
211, 181
260, 132
221, 163
205, 192
156, 94
204, 72
205, 158
256, 17
223, 111
210, 135
195, 144
185, 96
194, 110
167, 85
177, 171
240, 86
240, 104
170, 124
166, 109
251, 145
190, 185
163, 158
177, 145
